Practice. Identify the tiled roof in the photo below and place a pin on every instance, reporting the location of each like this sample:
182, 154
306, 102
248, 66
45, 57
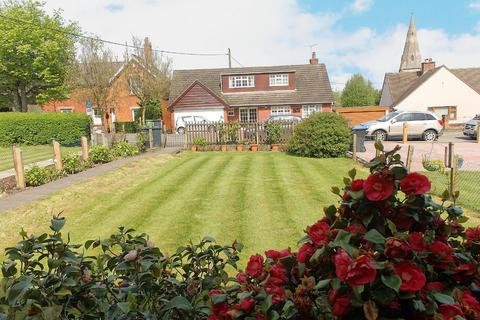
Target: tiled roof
312, 85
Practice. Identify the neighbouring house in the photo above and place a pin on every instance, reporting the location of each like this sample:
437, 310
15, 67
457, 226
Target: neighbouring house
450, 93
251, 94
126, 104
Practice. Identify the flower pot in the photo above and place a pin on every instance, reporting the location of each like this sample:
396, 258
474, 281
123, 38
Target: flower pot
223, 147
254, 147
240, 147
194, 148
275, 147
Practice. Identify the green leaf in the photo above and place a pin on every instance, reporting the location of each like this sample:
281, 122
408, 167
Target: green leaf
399, 172
317, 254
342, 240
336, 190
418, 305
392, 281
374, 236
218, 298
443, 298
178, 302
322, 284
57, 224
267, 304
352, 173
18, 289
330, 212
208, 239
367, 218
379, 145
391, 225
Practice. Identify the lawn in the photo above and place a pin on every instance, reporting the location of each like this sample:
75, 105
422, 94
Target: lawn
264, 200
31, 154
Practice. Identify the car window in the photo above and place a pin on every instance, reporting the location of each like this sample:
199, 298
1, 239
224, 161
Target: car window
419, 117
200, 119
429, 116
387, 116
404, 117
187, 119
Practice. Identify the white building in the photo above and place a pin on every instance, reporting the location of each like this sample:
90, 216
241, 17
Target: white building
422, 86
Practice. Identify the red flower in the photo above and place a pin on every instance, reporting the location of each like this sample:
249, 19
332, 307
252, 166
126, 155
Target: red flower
305, 252
255, 265
341, 307
377, 188
396, 248
354, 272
356, 228
473, 234
463, 271
219, 309
277, 275
357, 185
470, 305
415, 184
412, 276
277, 293
275, 255
416, 241
247, 304
442, 254
318, 233
241, 277
450, 311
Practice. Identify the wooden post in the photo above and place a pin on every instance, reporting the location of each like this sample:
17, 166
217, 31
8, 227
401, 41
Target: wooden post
478, 132
450, 154
58, 155
445, 157
454, 176
19, 170
150, 137
354, 149
256, 133
409, 157
405, 133
84, 143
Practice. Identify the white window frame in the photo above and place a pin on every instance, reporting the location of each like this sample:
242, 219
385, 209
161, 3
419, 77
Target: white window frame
248, 114
66, 109
279, 80
231, 112
281, 110
132, 110
241, 81
309, 109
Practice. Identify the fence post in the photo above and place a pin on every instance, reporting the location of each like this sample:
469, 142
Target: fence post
450, 154
256, 133
478, 132
405, 133
58, 155
150, 138
19, 169
354, 149
84, 143
445, 157
409, 157
454, 176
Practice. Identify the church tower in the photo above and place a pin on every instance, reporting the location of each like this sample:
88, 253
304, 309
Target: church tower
411, 59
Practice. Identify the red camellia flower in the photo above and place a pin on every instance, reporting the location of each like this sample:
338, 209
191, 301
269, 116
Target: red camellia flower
377, 188
275, 255
473, 234
470, 305
416, 241
247, 304
277, 275
464, 271
415, 184
318, 233
305, 252
412, 276
341, 307
255, 265
450, 311
396, 248
220, 309
277, 293
354, 272
442, 254
356, 228
357, 185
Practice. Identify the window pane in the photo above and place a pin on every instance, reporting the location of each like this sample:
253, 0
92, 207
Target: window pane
418, 116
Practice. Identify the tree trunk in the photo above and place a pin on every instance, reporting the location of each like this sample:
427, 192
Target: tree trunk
23, 99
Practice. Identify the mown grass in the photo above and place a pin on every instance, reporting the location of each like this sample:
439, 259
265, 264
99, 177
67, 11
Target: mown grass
264, 200
30, 154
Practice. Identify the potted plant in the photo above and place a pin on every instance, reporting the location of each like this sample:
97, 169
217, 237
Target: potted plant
199, 142
433, 165
240, 146
274, 129
254, 147
223, 137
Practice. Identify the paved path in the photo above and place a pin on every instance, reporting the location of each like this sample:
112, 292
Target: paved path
22, 198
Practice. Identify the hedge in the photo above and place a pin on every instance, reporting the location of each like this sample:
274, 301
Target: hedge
130, 127
42, 128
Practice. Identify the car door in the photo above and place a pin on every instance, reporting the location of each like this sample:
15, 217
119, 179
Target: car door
418, 125
395, 129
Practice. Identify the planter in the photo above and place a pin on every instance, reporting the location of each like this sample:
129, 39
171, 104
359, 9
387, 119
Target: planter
194, 148
275, 147
254, 147
223, 147
240, 147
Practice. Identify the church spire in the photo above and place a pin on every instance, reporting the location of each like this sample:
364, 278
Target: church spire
411, 59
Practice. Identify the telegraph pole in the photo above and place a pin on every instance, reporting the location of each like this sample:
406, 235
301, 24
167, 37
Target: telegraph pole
229, 58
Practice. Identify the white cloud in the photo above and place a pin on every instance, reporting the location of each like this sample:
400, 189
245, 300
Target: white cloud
267, 32
474, 5
360, 6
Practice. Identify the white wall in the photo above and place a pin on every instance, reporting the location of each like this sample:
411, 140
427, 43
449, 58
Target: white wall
441, 90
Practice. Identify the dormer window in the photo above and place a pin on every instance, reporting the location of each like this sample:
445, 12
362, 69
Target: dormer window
241, 82
277, 80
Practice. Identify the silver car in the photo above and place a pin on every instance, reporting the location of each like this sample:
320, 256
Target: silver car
421, 124
470, 128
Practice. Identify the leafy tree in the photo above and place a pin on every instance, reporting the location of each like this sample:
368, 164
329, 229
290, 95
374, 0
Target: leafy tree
152, 109
358, 92
36, 50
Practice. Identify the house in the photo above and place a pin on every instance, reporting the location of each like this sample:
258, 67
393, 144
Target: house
422, 86
251, 94
125, 104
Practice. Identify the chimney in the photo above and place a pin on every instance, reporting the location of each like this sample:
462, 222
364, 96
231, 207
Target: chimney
314, 59
147, 51
428, 65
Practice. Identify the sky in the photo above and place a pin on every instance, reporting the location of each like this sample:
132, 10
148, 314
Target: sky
349, 36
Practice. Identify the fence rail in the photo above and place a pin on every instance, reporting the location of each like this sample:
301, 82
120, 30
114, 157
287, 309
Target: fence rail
240, 132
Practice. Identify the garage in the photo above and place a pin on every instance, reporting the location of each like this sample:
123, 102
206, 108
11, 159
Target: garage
196, 115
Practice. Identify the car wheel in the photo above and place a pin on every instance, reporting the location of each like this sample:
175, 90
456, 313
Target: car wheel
181, 130
430, 135
379, 135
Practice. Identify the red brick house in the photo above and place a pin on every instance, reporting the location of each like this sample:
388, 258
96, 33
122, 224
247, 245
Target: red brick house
251, 94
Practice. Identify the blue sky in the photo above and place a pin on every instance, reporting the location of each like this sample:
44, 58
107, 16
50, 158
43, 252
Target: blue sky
353, 36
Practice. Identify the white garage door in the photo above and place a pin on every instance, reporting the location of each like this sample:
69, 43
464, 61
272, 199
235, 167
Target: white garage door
211, 114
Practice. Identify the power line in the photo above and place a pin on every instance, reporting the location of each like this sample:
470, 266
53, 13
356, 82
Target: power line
125, 45
241, 65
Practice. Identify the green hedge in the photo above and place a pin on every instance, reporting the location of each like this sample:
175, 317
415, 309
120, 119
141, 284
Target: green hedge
42, 128
130, 127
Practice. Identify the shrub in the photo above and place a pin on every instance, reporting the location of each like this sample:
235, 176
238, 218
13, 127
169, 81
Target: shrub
322, 135
100, 154
130, 127
141, 142
36, 176
41, 128
122, 149
200, 141
122, 277
274, 132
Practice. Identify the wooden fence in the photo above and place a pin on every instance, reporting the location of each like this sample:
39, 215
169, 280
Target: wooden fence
238, 132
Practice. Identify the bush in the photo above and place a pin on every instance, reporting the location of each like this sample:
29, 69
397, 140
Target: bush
200, 141
42, 128
130, 127
100, 154
36, 176
73, 163
122, 149
322, 135
141, 142
274, 132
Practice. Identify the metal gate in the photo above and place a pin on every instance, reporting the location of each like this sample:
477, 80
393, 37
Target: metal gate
174, 140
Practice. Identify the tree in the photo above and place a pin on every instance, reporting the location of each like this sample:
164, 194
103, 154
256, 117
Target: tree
358, 92
149, 77
36, 51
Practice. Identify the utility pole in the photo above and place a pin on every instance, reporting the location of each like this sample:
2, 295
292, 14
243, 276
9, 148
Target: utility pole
229, 58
